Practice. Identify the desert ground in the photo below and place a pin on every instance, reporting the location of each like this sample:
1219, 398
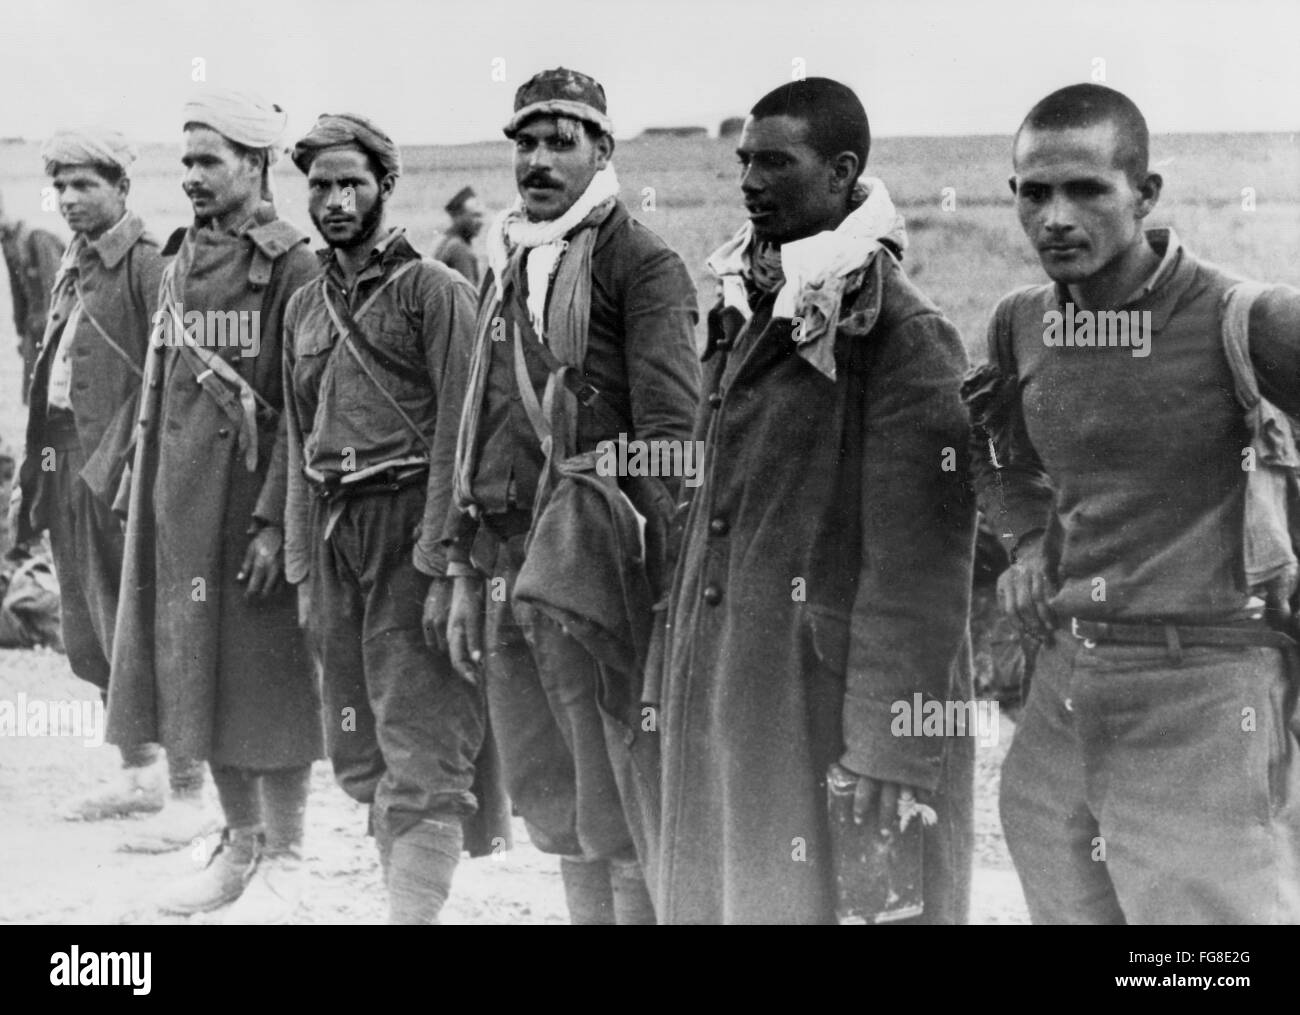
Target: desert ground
1234, 199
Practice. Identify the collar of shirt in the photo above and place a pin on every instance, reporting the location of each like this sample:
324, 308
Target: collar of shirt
1162, 288
388, 252
114, 244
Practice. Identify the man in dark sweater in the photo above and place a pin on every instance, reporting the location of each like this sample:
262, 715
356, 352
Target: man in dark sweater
1153, 778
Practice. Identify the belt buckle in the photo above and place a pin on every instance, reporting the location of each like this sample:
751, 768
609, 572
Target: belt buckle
1074, 630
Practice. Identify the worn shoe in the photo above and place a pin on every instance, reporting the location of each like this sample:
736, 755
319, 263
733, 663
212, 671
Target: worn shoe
223, 879
134, 791
182, 821
272, 895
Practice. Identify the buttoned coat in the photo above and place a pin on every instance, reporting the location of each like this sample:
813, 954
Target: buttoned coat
825, 575
197, 667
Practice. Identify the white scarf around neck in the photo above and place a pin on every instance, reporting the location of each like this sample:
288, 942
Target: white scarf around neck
813, 262
544, 240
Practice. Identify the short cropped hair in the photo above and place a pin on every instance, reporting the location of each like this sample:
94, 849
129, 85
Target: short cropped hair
1086, 105
836, 119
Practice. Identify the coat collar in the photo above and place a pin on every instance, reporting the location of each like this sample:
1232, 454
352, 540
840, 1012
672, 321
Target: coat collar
118, 241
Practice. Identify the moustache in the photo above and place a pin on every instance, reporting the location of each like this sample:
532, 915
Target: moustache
540, 180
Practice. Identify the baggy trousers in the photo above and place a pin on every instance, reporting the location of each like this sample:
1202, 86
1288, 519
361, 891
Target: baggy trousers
401, 727
567, 764
1146, 788
86, 540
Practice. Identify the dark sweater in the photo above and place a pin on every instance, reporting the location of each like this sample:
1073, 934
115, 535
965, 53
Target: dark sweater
1134, 464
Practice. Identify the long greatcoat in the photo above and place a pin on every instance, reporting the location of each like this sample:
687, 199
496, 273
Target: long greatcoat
825, 575
196, 667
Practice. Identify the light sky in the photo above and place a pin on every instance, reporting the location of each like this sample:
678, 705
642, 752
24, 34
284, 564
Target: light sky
424, 69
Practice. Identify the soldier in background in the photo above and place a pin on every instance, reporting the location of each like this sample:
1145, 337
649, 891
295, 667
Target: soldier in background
466, 213
32, 256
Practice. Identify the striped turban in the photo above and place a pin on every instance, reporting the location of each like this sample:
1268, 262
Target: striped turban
336, 130
91, 146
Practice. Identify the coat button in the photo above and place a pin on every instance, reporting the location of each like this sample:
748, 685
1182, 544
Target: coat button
223, 432
712, 595
715, 400
719, 526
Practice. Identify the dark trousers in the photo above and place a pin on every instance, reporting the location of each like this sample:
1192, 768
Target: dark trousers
567, 763
86, 540
401, 728
1142, 789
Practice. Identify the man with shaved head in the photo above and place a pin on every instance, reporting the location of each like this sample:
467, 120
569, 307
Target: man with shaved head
1153, 778
826, 565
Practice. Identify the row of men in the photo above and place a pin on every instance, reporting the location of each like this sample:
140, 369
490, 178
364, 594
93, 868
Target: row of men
32, 258
664, 678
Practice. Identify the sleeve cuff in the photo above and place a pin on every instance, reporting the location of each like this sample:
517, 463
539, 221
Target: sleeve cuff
876, 749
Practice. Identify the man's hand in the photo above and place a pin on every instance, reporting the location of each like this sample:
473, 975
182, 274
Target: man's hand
1023, 589
465, 627
263, 564
872, 799
437, 609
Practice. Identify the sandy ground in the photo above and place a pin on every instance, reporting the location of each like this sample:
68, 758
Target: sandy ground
58, 872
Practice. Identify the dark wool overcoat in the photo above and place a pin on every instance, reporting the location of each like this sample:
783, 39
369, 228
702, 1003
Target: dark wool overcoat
825, 576
196, 667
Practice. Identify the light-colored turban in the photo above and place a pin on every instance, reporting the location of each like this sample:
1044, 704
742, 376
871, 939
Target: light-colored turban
332, 130
241, 116
90, 146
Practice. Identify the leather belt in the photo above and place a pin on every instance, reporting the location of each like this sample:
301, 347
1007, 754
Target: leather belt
385, 481
1175, 636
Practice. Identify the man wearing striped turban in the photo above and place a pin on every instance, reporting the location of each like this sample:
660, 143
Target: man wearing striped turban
85, 382
208, 657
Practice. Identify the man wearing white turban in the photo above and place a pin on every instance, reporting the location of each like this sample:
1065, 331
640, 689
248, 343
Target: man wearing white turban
207, 656
84, 386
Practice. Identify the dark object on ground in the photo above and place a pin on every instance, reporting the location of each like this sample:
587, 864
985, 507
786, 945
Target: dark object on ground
29, 607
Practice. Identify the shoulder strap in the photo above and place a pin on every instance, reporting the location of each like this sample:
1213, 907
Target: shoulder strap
587, 394
240, 400
85, 312
351, 335
1235, 329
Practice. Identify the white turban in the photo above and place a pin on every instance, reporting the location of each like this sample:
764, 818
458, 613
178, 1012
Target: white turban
241, 116
90, 146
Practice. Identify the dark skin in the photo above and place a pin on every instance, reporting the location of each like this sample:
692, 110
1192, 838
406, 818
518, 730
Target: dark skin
225, 188
348, 206
1084, 214
554, 165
